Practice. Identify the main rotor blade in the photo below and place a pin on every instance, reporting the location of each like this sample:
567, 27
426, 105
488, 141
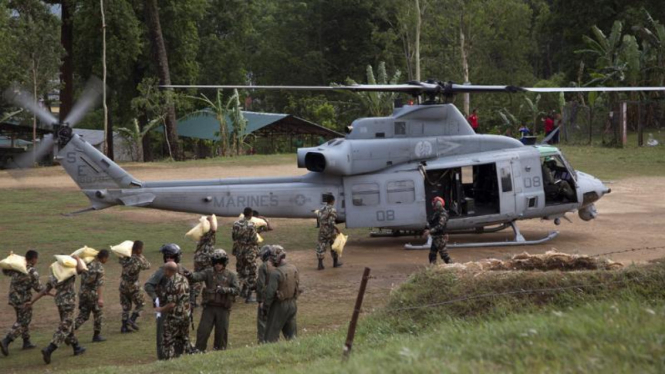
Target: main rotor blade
592, 89
29, 158
25, 100
89, 98
417, 88
355, 87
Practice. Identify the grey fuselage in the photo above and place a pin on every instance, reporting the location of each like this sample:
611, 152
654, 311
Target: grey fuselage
378, 174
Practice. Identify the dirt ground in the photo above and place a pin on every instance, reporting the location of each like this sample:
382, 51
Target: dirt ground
632, 216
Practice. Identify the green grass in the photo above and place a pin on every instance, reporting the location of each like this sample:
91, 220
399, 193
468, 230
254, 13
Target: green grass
30, 218
617, 163
245, 161
610, 328
479, 336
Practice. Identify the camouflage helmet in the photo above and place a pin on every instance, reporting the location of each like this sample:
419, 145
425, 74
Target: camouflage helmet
264, 253
171, 250
219, 256
277, 253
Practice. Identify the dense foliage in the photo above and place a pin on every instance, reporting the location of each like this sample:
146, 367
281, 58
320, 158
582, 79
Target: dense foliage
322, 42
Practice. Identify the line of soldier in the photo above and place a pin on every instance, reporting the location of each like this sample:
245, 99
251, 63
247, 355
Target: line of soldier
169, 287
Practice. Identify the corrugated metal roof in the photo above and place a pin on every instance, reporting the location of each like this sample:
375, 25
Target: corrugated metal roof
204, 125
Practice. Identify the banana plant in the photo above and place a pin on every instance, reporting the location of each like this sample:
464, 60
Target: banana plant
376, 104
134, 135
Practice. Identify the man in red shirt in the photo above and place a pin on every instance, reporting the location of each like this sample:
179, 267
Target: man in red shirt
549, 125
473, 120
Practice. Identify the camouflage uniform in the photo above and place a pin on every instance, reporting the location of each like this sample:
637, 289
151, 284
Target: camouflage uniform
130, 291
91, 281
176, 321
327, 216
280, 295
260, 296
155, 288
437, 230
246, 249
204, 249
65, 300
218, 297
20, 292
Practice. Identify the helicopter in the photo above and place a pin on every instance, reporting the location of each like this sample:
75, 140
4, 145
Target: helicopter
383, 173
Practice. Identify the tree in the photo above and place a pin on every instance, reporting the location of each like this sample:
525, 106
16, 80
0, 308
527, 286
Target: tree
229, 143
161, 61
37, 48
153, 103
376, 104
135, 135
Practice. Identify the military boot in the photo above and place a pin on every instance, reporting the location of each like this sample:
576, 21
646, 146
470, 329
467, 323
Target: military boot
336, 262
46, 352
27, 344
98, 338
432, 258
4, 345
132, 321
78, 350
446, 258
321, 267
124, 329
249, 299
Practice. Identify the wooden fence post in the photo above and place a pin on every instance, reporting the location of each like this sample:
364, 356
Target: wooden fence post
354, 318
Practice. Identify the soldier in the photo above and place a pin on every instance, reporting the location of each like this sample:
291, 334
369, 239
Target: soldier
327, 231
155, 288
65, 300
437, 230
175, 312
20, 292
267, 227
204, 249
130, 291
221, 287
90, 295
281, 293
260, 291
246, 248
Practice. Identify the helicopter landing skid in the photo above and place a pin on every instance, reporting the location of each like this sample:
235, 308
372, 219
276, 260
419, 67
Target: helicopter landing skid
518, 240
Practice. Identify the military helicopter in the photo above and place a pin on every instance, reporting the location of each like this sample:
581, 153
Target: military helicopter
383, 173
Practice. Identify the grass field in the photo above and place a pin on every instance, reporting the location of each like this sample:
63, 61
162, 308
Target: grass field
430, 340
612, 322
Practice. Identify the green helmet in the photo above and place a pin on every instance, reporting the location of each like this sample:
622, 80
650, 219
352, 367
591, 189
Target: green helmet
219, 256
264, 253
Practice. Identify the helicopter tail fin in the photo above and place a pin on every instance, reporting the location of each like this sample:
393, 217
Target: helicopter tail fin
91, 169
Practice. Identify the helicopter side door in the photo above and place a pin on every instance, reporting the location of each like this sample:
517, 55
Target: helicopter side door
507, 188
385, 200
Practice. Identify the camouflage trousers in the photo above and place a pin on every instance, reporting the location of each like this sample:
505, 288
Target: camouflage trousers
322, 246
439, 246
131, 296
22, 325
246, 268
176, 334
65, 331
86, 307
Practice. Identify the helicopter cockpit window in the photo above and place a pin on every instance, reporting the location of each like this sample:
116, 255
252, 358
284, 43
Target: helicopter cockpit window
400, 128
365, 194
401, 192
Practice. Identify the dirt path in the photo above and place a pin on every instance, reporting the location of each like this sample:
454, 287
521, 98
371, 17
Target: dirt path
632, 216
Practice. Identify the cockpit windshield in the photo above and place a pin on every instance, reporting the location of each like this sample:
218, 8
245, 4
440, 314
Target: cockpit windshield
568, 166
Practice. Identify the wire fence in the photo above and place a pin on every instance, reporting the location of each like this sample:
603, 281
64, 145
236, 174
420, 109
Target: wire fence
602, 124
528, 291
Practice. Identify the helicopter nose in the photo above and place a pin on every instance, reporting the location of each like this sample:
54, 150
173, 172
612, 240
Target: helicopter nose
591, 188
